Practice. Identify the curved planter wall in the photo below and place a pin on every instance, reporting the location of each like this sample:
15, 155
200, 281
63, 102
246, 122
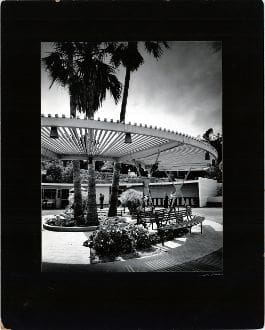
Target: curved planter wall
69, 229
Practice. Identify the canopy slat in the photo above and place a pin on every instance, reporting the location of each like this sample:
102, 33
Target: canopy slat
106, 140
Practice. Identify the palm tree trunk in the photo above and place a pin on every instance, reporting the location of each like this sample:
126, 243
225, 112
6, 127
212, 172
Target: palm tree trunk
125, 95
114, 190
92, 215
78, 209
116, 172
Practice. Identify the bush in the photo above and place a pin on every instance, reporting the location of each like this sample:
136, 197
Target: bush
61, 220
171, 233
67, 174
111, 240
115, 237
54, 172
154, 238
141, 237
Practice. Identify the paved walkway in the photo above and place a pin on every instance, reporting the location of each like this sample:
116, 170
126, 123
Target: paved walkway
64, 251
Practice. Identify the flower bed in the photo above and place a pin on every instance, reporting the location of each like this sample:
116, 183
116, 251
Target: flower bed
66, 219
115, 240
65, 222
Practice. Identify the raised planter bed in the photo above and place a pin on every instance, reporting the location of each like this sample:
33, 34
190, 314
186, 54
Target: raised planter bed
69, 229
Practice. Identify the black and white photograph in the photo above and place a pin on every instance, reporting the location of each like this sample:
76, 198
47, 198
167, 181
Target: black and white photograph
131, 156
132, 168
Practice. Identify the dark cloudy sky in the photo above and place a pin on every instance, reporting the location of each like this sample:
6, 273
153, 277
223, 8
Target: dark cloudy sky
181, 91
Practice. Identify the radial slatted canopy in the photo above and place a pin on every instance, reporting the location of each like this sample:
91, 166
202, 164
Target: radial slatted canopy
79, 138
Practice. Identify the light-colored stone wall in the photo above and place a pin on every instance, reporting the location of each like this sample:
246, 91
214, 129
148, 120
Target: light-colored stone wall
207, 188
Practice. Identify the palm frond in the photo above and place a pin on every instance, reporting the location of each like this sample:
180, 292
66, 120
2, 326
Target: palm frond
56, 68
118, 54
155, 47
81, 67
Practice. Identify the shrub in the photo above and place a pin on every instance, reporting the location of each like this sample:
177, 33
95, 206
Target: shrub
112, 240
115, 237
141, 236
171, 233
154, 238
167, 235
54, 172
132, 199
67, 174
61, 220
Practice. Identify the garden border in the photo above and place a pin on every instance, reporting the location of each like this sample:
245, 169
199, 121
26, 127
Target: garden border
69, 229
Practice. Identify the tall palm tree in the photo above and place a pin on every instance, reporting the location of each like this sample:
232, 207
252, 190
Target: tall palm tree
129, 56
81, 68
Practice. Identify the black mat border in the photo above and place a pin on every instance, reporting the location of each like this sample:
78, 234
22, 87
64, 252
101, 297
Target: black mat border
35, 300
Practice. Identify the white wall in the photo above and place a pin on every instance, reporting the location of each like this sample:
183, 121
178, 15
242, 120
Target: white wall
217, 199
102, 190
207, 188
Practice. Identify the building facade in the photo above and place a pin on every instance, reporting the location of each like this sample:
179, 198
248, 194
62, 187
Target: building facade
194, 192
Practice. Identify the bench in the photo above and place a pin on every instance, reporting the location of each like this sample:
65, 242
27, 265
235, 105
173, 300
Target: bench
146, 217
176, 219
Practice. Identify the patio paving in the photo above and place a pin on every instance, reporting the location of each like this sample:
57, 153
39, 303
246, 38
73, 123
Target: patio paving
63, 251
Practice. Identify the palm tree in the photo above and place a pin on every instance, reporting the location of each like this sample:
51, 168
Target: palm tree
81, 68
129, 56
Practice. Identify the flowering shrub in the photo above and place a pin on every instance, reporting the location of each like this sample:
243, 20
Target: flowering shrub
115, 237
167, 234
154, 238
141, 237
132, 199
111, 240
170, 233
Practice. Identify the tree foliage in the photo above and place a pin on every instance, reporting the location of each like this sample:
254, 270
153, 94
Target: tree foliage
215, 170
128, 55
54, 172
81, 68
132, 199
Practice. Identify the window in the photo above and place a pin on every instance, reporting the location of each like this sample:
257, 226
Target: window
65, 193
49, 194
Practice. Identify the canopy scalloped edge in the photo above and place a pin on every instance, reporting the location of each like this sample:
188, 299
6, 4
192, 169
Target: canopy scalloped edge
104, 140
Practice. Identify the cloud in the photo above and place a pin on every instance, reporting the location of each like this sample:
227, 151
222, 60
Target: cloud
181, 91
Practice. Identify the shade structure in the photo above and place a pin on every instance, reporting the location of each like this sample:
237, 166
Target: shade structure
105, 140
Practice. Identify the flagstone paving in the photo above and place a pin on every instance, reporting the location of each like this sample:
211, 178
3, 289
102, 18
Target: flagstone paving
63, 251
